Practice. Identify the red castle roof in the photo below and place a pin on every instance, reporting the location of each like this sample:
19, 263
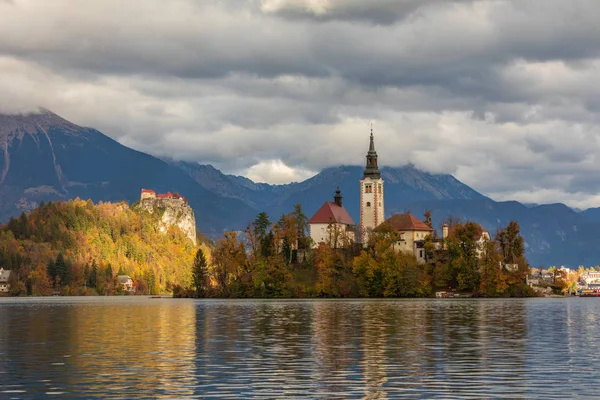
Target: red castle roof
331, 212
167, 195
406, 222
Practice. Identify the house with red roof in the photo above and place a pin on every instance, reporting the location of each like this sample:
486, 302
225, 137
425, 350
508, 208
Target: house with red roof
412, 233
332, 224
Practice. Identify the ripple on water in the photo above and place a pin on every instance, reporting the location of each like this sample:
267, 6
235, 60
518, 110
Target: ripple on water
134, 347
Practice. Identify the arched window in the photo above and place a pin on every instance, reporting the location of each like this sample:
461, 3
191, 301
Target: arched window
368, 204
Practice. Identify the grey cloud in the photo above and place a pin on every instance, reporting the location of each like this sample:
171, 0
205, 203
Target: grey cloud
375, 12
501, 89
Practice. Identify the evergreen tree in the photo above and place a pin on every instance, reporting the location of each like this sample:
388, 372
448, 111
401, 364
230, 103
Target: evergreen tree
511, 243
93, 278
200, 274
260, 227
108, 272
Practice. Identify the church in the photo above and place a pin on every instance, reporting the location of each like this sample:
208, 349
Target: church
332, 224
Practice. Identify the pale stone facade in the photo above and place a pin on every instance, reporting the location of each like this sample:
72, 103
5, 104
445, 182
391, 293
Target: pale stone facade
336, 235
372, 211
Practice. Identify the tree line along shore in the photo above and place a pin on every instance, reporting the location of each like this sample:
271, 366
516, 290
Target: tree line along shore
81, 248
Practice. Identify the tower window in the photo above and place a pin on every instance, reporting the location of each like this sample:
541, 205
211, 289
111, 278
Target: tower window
368, 189
380, 188
368, 204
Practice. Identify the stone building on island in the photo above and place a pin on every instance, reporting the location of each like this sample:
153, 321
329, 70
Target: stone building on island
332, 218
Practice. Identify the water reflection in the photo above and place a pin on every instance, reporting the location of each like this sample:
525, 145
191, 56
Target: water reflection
132, 347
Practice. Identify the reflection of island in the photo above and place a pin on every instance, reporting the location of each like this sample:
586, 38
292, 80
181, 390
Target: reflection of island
147, 348
335, 340
375, 324
134, 347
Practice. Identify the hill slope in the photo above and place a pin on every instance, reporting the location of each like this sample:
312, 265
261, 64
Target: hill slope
90, 238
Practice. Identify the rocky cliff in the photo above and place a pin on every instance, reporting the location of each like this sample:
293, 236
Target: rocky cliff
175, 212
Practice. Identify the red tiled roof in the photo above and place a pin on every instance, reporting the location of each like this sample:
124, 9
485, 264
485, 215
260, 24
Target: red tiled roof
406, 222
331, 212
147, 191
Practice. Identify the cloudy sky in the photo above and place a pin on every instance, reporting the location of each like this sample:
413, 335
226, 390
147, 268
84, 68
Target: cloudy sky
503, 94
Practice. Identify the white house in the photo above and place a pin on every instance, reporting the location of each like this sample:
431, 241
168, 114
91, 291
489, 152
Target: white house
4, 276
125, 282
332, 224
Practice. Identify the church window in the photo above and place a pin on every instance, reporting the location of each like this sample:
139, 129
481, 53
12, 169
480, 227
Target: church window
368, 204
380, 189
368, 189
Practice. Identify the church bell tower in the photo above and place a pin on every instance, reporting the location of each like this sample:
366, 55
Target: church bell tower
371, 195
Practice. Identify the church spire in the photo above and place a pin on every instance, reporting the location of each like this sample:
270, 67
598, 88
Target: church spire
371, 169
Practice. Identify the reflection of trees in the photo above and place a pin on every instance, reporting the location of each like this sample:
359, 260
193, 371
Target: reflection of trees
335, 338
102, 347
146, 347
470, 343
253, 346
370, 349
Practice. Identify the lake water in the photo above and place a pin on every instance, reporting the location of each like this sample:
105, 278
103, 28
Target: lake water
126, 347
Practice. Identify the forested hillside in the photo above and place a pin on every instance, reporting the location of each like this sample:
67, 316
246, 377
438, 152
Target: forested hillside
78, 247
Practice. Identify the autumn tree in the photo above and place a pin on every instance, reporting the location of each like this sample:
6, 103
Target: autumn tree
463, 257
230, 260
493, 280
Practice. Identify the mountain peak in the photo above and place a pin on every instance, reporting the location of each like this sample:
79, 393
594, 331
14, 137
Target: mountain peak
16, 125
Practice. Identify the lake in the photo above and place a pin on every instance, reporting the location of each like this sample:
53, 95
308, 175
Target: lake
124, 347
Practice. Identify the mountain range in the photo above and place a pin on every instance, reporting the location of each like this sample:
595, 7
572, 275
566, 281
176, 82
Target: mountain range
45, 157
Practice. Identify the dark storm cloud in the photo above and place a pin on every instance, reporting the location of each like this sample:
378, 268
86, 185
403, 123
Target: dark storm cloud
475, 88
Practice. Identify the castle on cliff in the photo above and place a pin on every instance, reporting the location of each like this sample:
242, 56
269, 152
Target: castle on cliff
151, 195
176, 211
